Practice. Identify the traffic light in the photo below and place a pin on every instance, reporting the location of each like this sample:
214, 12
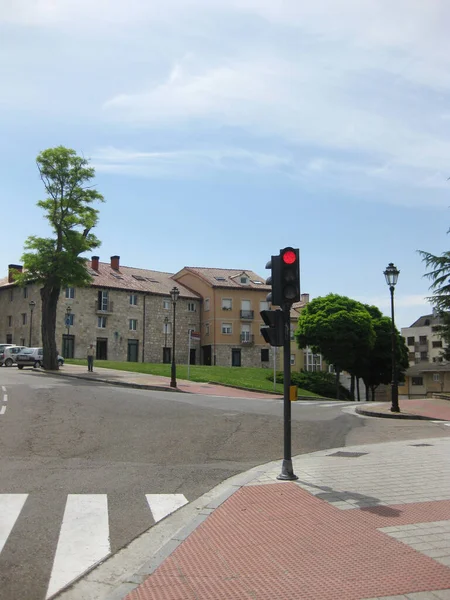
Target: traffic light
274, 280
289, 276
273, 331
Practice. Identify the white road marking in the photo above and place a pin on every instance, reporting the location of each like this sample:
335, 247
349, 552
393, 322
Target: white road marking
162, 505
10, 508
83, 539
5, 397
2, 410
3, 388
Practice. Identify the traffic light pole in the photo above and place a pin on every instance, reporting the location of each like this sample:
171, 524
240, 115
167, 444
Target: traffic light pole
287, 471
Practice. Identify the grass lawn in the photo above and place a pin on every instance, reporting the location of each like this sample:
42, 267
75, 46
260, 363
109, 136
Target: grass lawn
245, 377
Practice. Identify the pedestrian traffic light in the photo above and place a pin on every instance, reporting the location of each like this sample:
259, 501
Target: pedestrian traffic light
289, 276
274, 280
273, 331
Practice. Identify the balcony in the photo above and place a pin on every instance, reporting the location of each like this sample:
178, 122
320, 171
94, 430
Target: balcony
247, 339
105, 308
246, 315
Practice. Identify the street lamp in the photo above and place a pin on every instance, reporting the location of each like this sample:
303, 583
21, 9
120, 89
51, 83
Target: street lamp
31, 304
391, 275
68, 313
174, 293
166, 322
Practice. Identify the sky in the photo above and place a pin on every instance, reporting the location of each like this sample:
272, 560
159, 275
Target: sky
224, 130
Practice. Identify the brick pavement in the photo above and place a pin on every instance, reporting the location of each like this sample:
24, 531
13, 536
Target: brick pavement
365, 522
430, 408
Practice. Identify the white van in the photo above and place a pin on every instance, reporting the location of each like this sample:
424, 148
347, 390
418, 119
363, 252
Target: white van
8, 355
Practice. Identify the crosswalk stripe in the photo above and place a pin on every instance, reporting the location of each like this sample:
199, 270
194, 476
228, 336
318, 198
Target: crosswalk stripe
10, 508
162, 505
83, 539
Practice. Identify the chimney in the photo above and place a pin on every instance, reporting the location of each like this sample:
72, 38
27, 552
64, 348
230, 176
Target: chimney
304, 298
94, 262
115, 262
12, 270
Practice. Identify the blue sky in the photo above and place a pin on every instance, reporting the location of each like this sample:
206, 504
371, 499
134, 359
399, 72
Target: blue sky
204, 119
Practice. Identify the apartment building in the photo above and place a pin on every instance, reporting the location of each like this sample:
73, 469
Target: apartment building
127, 313
424, 343
230, 319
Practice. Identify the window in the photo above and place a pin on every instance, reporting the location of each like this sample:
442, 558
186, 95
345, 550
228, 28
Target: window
206, 328
24, 318
101, 322
133, 324
227, 304
11, 295
244, 279
424, 355
25, 292
246, 333
263, 305
422, 339
417, 381
9, 339
436, 377
166, 304
227, 328
313, 362
265, 355
411, 341
292, 332
192, 307
437, 344
103, 300
292, 359
70, 292
133, 299
206, 303
10, 321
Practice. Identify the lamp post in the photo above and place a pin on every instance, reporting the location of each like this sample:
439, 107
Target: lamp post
166, 322
391, 273
31, 304
174, 293
68, 313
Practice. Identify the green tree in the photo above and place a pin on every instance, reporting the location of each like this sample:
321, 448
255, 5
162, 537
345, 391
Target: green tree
439, 275
376, 366
55, 262
338, 327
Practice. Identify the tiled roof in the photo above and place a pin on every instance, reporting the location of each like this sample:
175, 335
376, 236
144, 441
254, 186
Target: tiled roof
228, 278
132, 279
426, 320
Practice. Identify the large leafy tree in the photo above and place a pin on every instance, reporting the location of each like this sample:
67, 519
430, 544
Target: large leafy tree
375, 367
55, 262
338, 327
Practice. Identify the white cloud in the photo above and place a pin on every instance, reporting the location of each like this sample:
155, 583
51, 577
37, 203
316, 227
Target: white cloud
185, 162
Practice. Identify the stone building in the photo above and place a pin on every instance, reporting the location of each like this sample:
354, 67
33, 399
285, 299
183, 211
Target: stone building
126, 313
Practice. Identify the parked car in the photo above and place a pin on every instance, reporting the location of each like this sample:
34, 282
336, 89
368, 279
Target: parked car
9, 354
33, 357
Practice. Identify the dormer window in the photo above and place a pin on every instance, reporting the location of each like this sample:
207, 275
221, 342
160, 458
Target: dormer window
244, 279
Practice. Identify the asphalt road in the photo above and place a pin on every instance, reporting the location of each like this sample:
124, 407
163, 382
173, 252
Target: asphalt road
68, 445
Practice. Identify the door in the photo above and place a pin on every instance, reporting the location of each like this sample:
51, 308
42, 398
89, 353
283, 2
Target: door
102, 349
68, 346
192, 356
133, 350
166, 355
236, 357
206, 355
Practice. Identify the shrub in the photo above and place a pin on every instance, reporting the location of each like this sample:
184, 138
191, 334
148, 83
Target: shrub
318, 382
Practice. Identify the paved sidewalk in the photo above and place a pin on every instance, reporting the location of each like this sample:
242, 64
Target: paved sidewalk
425, 408
363, 522
370, 522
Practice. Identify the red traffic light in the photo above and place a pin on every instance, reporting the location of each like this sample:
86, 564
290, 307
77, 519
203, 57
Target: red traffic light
289, 257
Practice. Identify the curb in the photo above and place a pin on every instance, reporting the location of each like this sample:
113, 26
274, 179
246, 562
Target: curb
371, 413
140, 386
